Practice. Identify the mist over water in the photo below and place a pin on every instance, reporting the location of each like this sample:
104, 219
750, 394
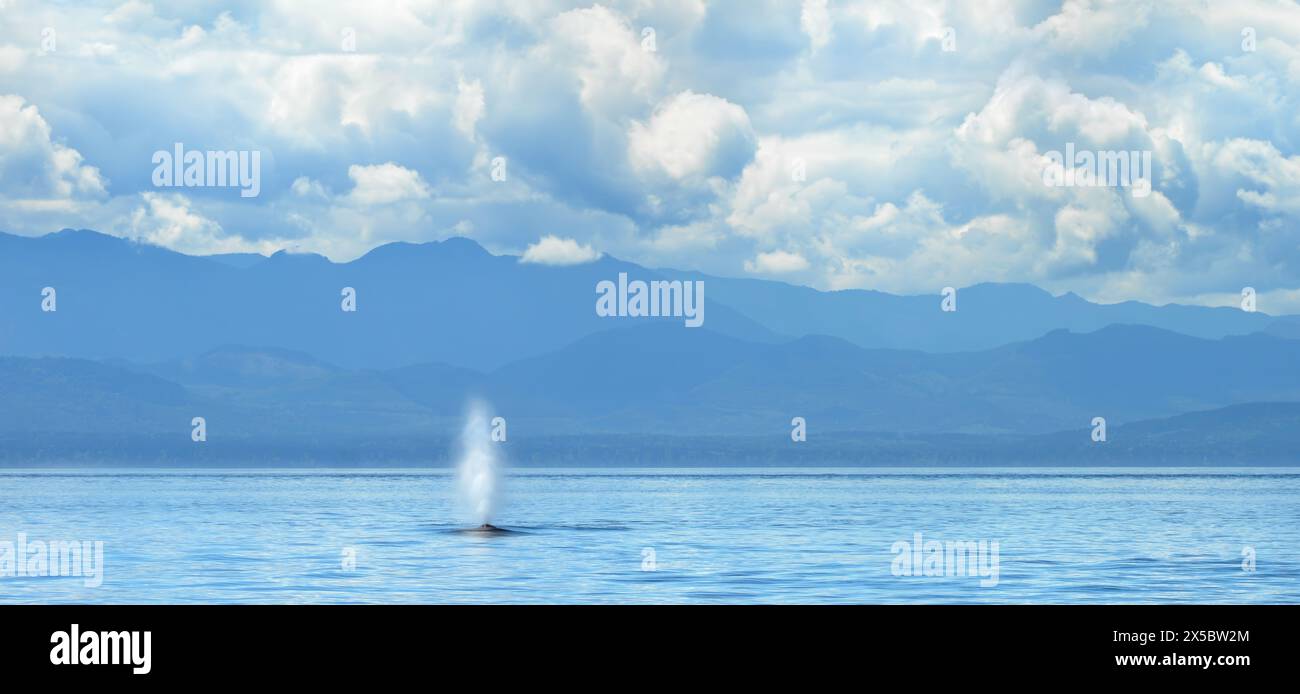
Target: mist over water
478, 471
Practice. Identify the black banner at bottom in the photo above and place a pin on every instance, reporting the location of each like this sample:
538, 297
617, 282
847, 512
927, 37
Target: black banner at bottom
337, 644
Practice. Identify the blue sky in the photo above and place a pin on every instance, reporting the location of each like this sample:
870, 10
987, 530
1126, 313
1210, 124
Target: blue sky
676, 148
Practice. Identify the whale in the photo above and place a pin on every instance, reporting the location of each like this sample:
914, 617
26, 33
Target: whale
487, 529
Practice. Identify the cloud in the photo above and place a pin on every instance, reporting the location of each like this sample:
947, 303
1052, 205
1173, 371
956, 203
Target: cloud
307, 188
32, 165
693, 135
553, 250
1093, 27
171, 222
603, 52
841, 133
815, 20
1273, 179
776, 262
469, 106
12, 58
382, 184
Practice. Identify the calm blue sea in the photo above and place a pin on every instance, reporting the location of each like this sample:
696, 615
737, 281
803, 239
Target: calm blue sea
648, 536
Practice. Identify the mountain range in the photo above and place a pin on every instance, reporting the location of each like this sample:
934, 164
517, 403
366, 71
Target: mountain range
144, 339
452, 302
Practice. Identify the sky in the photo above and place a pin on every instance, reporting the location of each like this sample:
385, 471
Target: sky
898, 146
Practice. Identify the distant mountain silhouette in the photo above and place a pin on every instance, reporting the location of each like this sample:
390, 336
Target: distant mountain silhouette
454, 303
449, 302
1286, 326
987, 315
662, 381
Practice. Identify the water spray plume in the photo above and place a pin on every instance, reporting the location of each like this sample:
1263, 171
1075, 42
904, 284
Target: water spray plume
478, 473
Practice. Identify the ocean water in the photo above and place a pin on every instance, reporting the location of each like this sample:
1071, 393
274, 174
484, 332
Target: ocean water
651, 535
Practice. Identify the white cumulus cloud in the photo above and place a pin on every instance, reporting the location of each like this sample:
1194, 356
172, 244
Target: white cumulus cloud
381, 184
169, 220
553, 250
693, 134
776, 262
32, 165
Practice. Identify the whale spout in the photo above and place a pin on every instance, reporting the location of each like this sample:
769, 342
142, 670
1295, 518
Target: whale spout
478, 473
